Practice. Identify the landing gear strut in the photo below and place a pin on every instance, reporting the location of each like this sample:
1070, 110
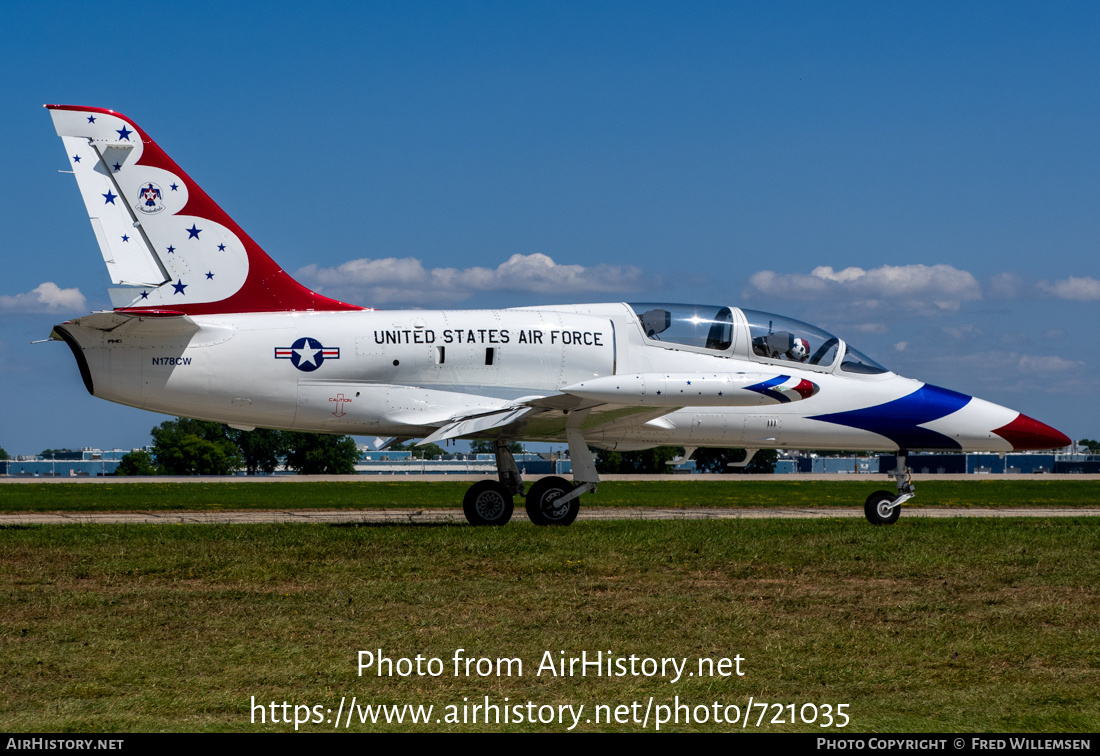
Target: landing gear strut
556, 501
883, 507
550, 501
489, 502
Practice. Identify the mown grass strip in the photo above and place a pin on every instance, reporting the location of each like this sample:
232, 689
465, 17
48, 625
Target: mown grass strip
957, 625
730, 492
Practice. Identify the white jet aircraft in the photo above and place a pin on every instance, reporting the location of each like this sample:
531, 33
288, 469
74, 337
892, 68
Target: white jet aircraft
206, 325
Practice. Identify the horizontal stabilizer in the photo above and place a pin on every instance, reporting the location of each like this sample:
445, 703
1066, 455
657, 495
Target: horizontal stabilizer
162, 322
694, 389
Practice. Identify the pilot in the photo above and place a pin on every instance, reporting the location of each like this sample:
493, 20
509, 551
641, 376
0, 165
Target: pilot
799, 351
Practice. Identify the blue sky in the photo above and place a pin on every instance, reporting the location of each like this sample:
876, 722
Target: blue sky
922, 179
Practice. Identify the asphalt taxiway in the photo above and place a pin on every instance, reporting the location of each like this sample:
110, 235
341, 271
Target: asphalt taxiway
454, 515
449, 515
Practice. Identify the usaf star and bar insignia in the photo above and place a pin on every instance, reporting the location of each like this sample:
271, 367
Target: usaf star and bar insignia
307, 354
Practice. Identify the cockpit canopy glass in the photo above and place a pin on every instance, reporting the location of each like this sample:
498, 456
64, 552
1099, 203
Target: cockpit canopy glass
692, 325
856, 362
775, 337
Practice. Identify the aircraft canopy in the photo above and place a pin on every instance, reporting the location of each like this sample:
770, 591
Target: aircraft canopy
771, 337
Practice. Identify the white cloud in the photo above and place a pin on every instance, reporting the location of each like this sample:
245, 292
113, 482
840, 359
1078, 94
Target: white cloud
1074, 288
406, 280
990, 372
1048, 364
1083, 289
966, 332
1007, 286
921, 289
47, 297
875, 328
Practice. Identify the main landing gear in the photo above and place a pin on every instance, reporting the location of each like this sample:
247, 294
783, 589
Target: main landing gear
489, 502
553, 501
884, 507
549, 501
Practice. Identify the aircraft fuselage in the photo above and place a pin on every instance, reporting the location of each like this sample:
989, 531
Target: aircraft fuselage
207, 325
404, 373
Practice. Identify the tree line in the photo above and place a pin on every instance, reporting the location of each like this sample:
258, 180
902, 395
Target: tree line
196, 447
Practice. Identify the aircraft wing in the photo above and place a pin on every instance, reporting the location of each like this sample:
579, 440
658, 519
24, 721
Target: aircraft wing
544, 416
615, 402
472, 424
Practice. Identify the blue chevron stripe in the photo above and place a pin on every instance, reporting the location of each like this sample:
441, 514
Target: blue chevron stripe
900, 420
765, 388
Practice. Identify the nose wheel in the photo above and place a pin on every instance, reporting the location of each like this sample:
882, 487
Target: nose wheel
883, 507
880, 508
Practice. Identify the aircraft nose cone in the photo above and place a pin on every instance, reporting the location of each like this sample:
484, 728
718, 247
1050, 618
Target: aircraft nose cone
1028, 434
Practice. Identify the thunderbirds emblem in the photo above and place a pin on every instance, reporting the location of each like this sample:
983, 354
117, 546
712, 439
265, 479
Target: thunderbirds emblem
150, 199
307, 354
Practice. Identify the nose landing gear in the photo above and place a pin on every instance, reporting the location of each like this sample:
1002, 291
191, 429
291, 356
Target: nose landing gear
883, 507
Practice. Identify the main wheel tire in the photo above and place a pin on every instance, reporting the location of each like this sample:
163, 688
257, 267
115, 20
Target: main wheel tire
878, 509
542, 498
487, 502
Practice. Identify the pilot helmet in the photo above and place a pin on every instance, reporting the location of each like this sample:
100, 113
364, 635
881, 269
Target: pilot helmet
800, 350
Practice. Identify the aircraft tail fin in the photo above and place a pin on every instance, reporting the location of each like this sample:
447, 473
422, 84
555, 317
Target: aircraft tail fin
166, 244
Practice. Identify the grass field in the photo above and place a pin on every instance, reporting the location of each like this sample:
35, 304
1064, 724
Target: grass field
947, 625
733, 491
